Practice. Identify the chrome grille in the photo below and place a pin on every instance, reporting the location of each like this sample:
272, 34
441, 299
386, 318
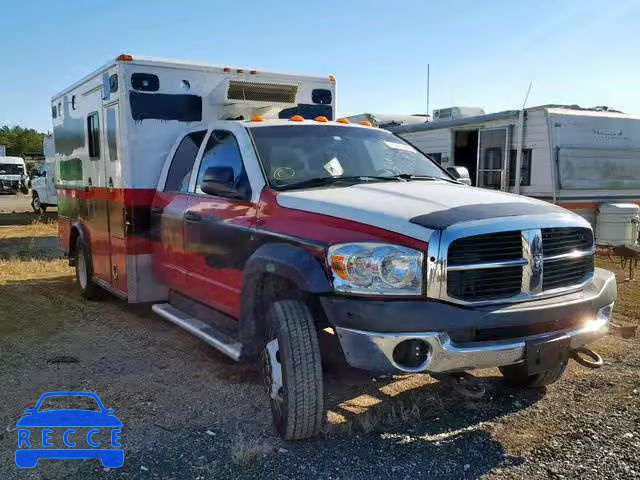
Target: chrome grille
569, 271
518, 264
490, 247
558, 241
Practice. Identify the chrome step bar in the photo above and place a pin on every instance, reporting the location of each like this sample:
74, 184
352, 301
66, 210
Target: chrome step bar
218, 340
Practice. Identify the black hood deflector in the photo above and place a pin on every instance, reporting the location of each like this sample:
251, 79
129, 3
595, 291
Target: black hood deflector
445, 218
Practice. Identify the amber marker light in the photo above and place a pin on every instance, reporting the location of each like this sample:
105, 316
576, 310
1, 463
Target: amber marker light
321, 118
343, 120
297, 118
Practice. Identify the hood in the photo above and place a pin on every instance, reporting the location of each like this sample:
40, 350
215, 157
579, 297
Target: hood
413, 208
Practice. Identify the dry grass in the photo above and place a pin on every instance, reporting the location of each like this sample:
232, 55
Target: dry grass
16, 269
248, 451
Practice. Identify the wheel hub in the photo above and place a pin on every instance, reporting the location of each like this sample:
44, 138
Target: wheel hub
274, 369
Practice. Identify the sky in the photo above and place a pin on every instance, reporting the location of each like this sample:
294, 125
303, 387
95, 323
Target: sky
481, 54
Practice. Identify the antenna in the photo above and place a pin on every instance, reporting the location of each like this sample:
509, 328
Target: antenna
428, 82
518, 173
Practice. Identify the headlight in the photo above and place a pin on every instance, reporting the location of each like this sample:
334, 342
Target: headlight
376, 269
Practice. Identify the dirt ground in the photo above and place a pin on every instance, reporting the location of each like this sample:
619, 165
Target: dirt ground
190, 413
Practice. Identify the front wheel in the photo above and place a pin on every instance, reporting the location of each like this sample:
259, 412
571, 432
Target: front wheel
517, 375
293, 370
36, 204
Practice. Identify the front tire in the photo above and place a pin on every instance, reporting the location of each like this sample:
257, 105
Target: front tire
517, 375
293, 370
84, 273
36, 204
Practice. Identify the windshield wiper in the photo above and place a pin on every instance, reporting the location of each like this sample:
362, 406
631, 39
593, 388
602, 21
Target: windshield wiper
410, 176
353, 179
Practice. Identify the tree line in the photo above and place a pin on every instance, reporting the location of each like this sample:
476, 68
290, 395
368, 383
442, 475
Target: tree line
19, 140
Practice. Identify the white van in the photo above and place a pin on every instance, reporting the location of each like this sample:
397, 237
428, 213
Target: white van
13, 174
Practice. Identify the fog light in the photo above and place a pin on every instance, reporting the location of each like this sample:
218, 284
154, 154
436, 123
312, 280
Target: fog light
411, 353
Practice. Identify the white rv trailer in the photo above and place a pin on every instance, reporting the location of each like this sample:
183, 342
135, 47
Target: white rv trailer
577, 158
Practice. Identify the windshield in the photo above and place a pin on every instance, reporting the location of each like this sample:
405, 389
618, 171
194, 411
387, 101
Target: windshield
295, 154
11, 169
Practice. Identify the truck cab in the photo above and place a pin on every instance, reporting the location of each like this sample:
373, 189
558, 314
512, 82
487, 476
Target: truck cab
43, 188
268, 224
13, 175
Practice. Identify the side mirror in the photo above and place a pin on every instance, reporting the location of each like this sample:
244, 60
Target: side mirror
219, 181
109, 411
460, 173
29, 410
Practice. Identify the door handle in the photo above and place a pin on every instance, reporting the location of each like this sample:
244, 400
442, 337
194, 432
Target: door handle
157, 210
190, 216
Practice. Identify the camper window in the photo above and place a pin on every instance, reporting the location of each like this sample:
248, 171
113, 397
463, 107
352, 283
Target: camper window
525, 173
182, 163
93, 131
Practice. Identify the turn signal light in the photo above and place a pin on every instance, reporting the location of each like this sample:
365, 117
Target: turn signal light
321, 118
332, 78
226, 69
366, 123
240, 70
124, 58
253, 72
343, 120
297, 118
257, 118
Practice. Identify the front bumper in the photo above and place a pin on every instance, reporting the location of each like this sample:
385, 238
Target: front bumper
460, 338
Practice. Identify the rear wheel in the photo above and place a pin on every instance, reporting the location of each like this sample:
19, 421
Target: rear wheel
517, 375
88, 289
293, 370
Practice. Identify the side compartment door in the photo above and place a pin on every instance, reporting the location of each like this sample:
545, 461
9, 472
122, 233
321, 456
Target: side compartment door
115, 195
97, 197
167, 214
218, 226
493, 148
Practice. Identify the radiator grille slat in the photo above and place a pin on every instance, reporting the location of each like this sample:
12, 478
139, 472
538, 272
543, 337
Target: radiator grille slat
506, 282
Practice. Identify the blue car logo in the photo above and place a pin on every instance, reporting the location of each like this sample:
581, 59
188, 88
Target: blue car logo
69, 433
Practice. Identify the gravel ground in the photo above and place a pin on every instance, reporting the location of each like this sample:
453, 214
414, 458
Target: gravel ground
189, 413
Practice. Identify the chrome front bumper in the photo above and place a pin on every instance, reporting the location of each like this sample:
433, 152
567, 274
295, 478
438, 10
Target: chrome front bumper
374, 351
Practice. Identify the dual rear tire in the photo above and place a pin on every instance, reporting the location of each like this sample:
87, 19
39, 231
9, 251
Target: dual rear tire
84, 273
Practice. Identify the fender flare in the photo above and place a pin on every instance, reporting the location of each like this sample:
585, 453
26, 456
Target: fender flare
290, 262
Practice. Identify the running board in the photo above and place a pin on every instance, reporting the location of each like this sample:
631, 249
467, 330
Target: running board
218, 340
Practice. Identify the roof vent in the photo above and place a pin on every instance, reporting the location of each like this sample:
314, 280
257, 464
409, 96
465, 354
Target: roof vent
261, 92
453, 113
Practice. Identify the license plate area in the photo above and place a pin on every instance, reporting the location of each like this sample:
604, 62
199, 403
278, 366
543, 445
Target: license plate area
543, 355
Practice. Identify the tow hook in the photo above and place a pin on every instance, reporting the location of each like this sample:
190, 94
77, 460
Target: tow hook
463, 383
587, 357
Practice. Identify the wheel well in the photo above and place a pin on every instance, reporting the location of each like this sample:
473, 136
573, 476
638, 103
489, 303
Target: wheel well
271, 288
